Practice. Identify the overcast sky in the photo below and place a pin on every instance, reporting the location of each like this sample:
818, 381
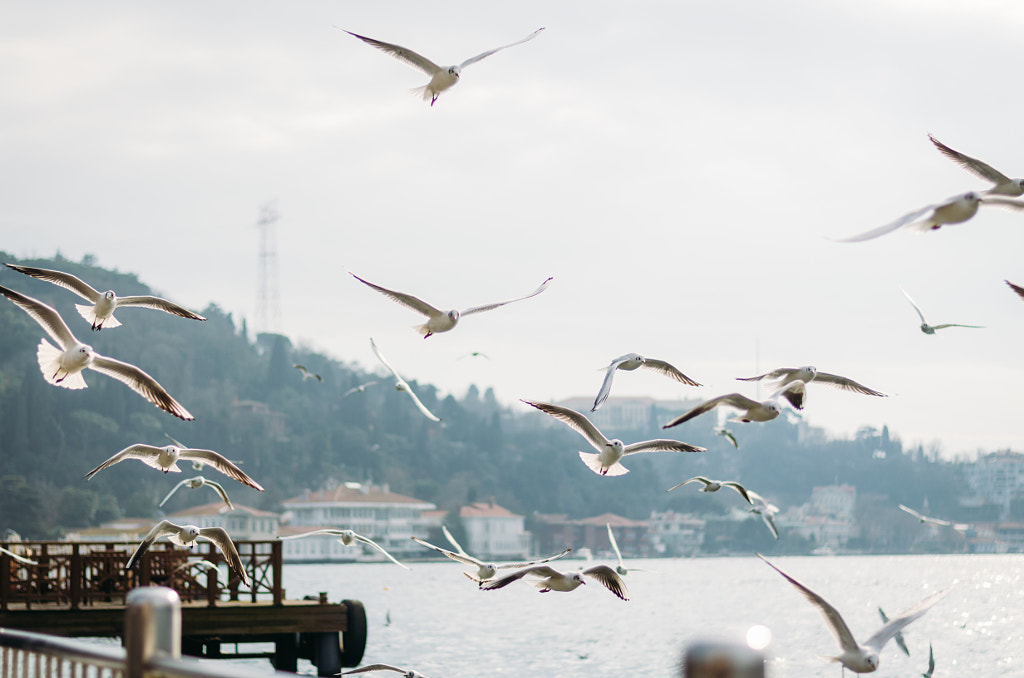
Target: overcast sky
678, 167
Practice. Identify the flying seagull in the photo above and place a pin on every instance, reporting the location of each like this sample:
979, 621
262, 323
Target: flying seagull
401, 385
201, 564
63, 366
101, 313
727, 434
21, 559
925, 327
359, 389
186, 535
1016, 288
808, 374
898, 636
549, 579
606, 461
485, 570
954, 210
926, 519
348, 537
854, 656
197, 482
1003, 185
437, 320
764, 509
632, 361
715, 486
406, 673
166, 459
621, 568
306, 374
441, 78
750, 409
931, 663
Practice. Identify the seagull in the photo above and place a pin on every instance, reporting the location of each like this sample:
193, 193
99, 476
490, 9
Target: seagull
621, 567
485, 570
406, 673
359, 389
63, 366
186, 535
715, 486
101, 313
606, 461
166, 459
727, 434
954, 210
306, 374
201, 564
931, 663
926, 519
196, 483
750, 409
441, 78
808, 374
925, 327
401, 385
854, 656
1004, 185
898, 636
348, 537
1016, 288
21, 559
765, 510
437, 320
550, 579
632, 361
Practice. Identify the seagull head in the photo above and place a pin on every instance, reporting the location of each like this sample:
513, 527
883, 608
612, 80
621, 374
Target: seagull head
109, 295
453, 315
806, 373
454, 71
577, 577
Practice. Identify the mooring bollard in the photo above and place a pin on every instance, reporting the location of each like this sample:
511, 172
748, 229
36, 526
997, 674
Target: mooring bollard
152, 624
722, 660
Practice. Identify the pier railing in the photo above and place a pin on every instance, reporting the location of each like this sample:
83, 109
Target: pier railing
77, 574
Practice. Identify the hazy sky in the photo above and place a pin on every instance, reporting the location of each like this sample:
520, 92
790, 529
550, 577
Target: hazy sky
678, 167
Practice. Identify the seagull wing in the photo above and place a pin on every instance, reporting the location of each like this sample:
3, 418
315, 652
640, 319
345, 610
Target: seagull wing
732, 399
846, 384
221, 539
945, 325
484, 55
832, 617
1007, 203
780, 373
663, 368
661, 445
893, 626
769, 520
1016, 288
615, 544
606, 385
380, 356
379, 548
220, 463
375, 667
609, 578
908, 218
312, 532
410, 302
175, 489
21, 559
402, 54
422, 408
916, 308
156, 303
140, 382
45, 315
161, 529
147, 454
695, 479
459, 557
65, 280
506, 566
536, 571
451, 540
739, 488
972, 165
220, 490
574, 420
488, 307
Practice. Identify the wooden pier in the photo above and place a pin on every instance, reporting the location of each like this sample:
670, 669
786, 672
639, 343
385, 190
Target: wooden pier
79, 589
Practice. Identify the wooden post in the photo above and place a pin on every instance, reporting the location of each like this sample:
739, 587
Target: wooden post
277, 564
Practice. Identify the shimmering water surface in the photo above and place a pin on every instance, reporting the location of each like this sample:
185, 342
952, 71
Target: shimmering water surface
443, 626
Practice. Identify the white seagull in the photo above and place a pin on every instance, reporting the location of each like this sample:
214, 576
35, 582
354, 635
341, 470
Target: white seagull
926, 519
632, 361
348, 537
485, 570
767, 511
166, 459
750, 409
406, 673
196, 483
101, 313
437, 320
606, 461
809, 374
727, 434
621, 568
63, 366
549, 579
854, 656
954, 210
441, 78
359, 389
1004, 185
306, 374
930, 329
401, 385
186, 535
715, 486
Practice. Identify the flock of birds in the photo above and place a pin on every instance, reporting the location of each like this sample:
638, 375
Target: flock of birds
63, 366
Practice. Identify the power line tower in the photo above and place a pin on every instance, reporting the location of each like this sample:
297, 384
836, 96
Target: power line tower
268, 307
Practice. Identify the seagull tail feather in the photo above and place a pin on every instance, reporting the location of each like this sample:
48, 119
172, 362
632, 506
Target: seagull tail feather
48, 357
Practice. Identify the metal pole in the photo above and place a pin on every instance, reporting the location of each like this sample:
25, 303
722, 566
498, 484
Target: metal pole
722, 660
152, 625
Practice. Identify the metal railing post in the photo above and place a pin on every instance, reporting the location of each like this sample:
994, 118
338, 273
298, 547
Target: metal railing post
152, 624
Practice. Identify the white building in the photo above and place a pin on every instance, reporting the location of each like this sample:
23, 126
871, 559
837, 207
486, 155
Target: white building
676, 534
996, 478
389, 519
493, 531
827, 518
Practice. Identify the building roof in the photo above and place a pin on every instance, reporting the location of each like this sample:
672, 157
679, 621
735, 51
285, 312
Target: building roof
485, 509
613, 520
220, 508
353, 493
